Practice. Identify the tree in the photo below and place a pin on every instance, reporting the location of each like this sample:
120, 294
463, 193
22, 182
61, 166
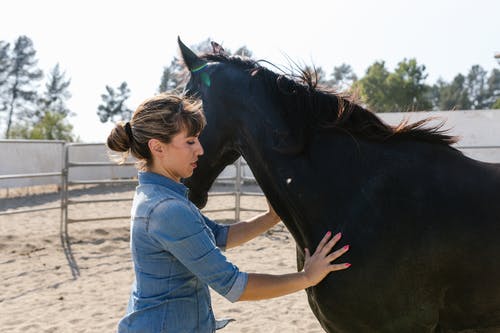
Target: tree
4, 70
4, 62
50, 119
56, 93
172, 77
477, 87
402, 90
342, 77
51, 126
407, 88
451, 96
372, 87
113, 106
496, 105
493, 100
21, 85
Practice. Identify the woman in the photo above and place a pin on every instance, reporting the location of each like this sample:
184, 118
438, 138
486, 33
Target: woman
177, 251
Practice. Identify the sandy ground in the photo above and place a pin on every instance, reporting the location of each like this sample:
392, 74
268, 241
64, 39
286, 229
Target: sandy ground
40, 292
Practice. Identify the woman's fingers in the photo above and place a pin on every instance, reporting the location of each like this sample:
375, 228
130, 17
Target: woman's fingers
317, 266
323, 242
326, 244
339, 267
336, 254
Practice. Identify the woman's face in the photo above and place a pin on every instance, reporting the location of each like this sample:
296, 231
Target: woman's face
178, 158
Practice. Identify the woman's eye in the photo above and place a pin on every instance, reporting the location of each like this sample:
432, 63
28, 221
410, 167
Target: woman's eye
191, 142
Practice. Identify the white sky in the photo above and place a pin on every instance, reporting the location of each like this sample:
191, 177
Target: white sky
101, 43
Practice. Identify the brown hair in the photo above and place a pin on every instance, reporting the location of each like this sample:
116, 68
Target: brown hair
160, 117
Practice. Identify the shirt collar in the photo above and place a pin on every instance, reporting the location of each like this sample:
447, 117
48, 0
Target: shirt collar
157, 179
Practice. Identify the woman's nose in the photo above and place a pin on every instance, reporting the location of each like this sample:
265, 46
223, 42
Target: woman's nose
200, 149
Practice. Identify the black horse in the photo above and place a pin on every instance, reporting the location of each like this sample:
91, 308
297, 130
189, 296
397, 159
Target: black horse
423, 221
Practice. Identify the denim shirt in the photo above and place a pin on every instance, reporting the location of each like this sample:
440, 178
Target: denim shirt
177, 255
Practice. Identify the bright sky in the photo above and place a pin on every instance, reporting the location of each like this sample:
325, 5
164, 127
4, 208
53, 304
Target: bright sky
101, 43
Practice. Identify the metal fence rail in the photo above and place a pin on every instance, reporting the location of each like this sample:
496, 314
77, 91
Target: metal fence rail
30, 175
33, 175
238, 180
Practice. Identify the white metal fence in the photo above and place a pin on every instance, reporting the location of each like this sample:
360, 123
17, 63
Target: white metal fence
55, 162
87, 164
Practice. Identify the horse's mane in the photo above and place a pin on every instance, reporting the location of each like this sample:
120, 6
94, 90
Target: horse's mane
309, 107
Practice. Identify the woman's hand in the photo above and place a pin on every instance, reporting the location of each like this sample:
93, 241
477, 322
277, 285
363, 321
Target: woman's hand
317, 266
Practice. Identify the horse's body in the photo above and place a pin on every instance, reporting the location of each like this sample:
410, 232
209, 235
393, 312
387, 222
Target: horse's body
423, 221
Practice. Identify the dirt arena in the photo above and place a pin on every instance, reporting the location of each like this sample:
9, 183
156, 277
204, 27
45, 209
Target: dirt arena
39, 292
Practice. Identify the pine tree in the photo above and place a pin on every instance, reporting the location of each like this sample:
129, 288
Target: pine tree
56, 93
21, 84
113, 106
4, 70
342, 77
451, 96
476, 84
4, 62
172, 77
493, 100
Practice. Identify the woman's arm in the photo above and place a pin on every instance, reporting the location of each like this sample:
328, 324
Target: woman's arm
244, 231
316, 267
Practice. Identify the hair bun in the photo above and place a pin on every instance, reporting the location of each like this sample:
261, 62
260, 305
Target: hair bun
118, 139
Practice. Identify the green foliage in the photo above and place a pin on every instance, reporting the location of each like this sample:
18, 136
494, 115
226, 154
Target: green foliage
20, 87
372, 87
494, 89
56, 93
31, 114
402, 90
52, 126
496, 105
451, 96
477, 87
342, 77
4, 71
113, 105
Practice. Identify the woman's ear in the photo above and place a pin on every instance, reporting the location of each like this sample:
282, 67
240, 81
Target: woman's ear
155, 146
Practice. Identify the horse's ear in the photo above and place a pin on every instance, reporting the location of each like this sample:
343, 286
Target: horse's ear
217, 48
191, 60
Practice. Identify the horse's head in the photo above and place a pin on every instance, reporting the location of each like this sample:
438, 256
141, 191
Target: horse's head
246, 106
217, 139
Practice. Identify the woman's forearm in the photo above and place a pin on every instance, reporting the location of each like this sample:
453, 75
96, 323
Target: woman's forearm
244, 231
316, 267
265, 286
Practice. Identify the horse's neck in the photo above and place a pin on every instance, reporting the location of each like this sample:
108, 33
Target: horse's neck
286, 182
336, 166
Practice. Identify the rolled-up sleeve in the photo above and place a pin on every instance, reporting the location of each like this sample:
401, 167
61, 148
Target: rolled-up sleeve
178, 230
220, 232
